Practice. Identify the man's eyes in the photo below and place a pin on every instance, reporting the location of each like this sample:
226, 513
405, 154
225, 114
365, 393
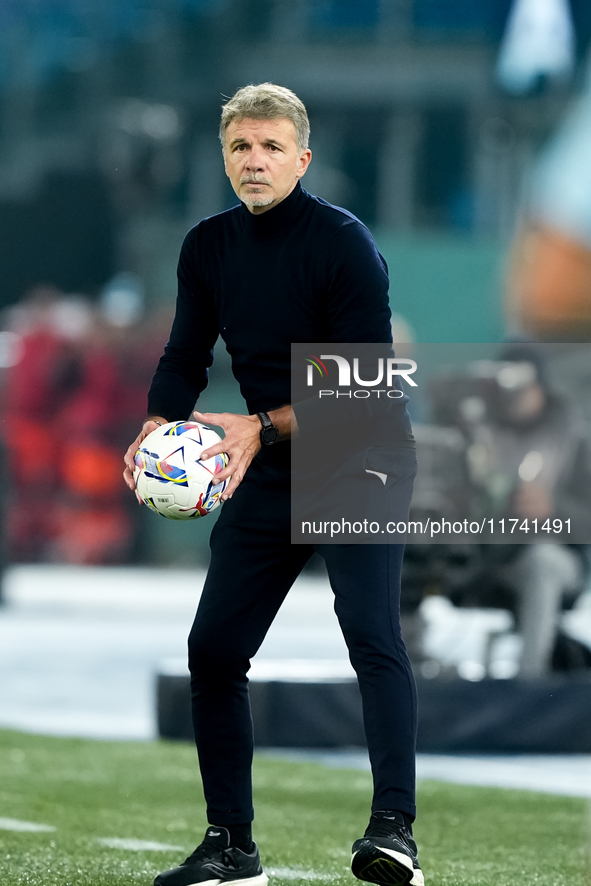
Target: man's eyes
242, 148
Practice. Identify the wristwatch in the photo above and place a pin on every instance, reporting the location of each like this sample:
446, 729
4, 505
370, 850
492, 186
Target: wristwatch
269, 433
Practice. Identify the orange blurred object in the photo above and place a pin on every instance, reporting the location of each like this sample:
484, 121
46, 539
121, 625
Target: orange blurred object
91, 469
549, 285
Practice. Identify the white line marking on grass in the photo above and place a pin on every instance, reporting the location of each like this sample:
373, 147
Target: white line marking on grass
137, 845
297, 874
13, 824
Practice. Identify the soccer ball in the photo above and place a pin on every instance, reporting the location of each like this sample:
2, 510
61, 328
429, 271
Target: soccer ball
169, 477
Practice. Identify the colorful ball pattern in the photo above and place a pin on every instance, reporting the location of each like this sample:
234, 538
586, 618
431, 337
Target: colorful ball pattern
171, 479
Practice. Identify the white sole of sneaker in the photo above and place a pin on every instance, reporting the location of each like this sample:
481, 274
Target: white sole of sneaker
405, 862
261, 880
418, 879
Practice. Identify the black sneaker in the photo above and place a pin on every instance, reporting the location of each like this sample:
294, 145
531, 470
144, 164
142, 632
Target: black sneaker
215, 862
387, 854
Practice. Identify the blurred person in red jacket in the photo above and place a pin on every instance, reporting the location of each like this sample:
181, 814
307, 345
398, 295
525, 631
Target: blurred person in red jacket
68, 404
34, 389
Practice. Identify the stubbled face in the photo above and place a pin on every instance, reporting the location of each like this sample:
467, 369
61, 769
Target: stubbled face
263, 162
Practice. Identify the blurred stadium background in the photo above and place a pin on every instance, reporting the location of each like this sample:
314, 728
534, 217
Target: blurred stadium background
109, 153
428, 120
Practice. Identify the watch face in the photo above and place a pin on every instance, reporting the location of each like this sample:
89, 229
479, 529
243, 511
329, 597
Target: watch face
269, 435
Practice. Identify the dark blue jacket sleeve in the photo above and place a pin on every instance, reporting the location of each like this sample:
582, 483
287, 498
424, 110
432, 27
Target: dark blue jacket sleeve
182, 372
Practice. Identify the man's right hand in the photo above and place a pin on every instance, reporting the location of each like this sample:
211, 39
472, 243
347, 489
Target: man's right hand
149, 425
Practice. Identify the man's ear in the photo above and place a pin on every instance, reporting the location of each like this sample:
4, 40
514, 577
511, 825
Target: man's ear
303, 162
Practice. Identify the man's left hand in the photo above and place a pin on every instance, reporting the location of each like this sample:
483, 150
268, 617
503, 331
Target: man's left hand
241, 444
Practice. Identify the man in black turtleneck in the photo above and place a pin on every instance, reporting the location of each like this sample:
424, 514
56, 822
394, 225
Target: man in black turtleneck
281, 267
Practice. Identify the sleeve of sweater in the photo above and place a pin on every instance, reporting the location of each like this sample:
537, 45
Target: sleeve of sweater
357, 310
357, 305
182, 373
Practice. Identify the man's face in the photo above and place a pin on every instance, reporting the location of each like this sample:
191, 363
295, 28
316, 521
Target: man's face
263, 162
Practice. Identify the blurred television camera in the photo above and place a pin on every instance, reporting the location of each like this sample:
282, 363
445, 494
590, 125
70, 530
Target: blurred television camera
526, 461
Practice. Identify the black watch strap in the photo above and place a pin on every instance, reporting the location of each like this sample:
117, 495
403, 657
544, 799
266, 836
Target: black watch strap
269, 433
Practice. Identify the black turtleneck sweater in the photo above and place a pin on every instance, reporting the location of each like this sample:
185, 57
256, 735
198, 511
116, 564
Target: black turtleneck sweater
304, 271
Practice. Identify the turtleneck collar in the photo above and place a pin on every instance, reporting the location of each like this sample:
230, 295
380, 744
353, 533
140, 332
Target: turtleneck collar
276, 220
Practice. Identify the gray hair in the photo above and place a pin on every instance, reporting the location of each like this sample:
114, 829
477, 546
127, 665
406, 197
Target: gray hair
266, 101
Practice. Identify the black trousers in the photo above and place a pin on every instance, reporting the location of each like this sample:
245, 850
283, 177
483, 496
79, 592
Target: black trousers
253, 565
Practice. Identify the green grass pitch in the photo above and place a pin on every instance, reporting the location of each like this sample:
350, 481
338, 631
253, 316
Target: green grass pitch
307, 818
